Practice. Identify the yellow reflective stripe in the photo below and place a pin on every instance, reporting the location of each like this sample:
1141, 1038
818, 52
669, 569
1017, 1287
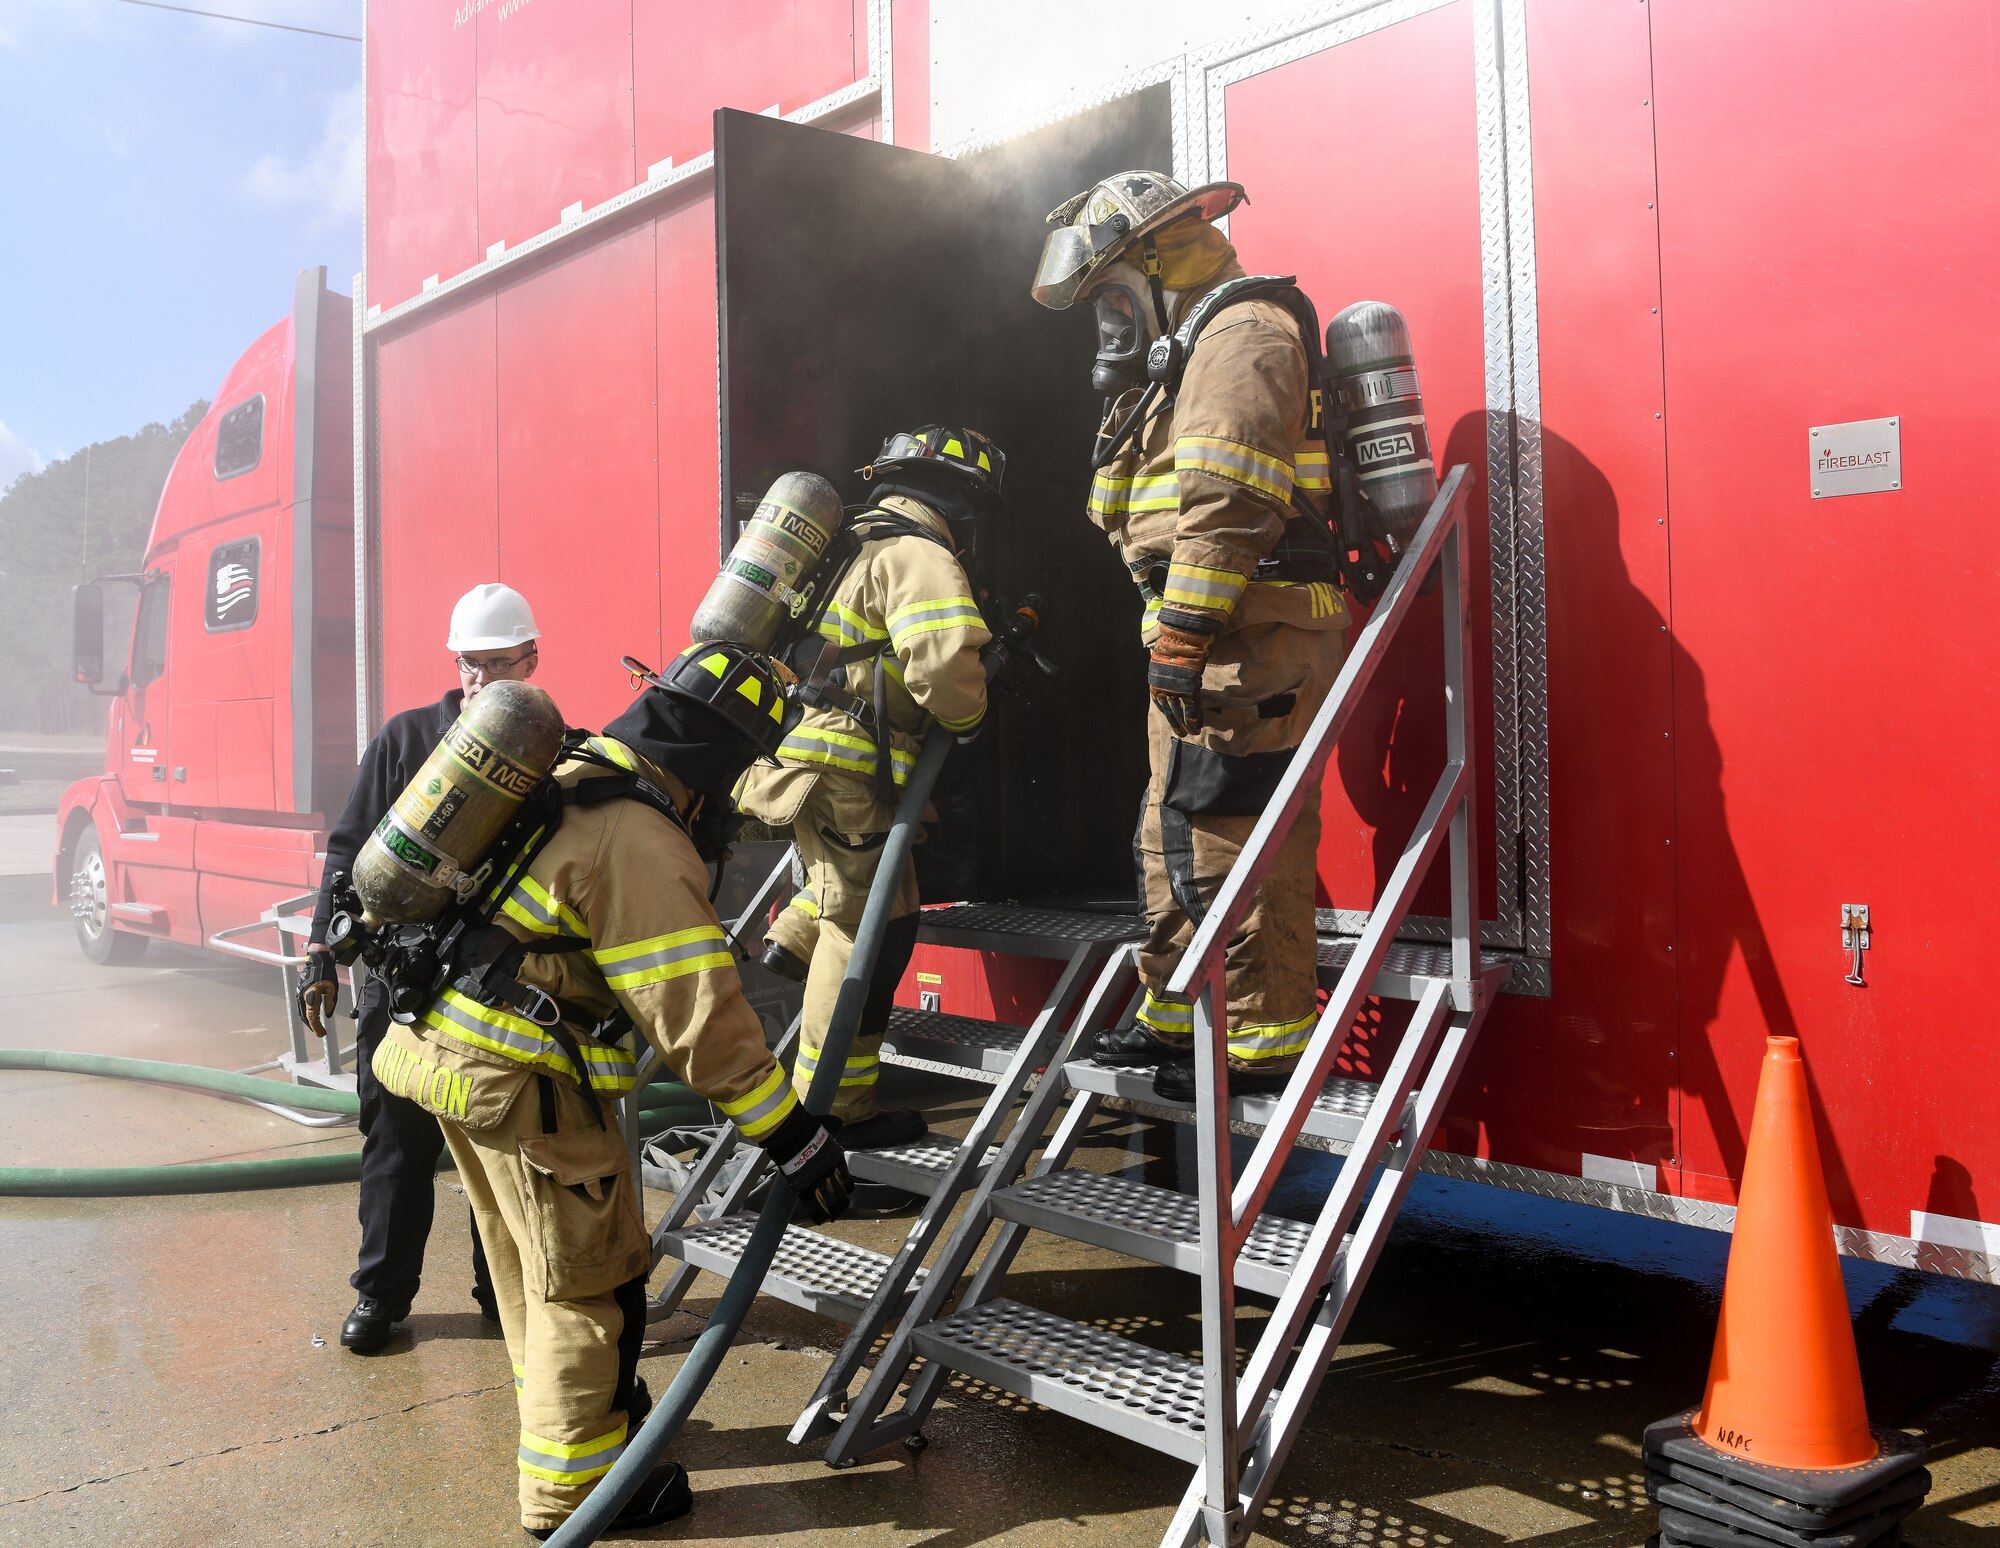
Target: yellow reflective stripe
1193, 585
563, 1463
535, 906
520, 1378
1233, 460
805, 903
1312, 470
841, 622
961, 726
767, 1105
1169, 1018
1114, 496
1272, 1039
515, 869
615, 751
837, 750
858, 1070
905, 623
607, 1068
662, 957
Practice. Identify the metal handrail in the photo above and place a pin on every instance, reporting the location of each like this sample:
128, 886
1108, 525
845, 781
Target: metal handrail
1231, 1207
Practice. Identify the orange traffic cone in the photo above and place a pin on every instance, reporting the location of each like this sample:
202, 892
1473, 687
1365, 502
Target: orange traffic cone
1784, 1386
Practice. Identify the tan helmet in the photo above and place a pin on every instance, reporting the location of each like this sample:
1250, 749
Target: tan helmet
1095, 226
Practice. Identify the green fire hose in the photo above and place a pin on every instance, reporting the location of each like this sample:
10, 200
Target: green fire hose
672, 1104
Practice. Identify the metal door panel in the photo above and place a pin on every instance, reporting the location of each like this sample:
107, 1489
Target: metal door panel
436, 462
1827, 232
1362, 166
579, 526
555, 113
767, 53
422, 216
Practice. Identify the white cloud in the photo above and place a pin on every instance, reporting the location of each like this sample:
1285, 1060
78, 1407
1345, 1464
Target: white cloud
324, 182
16, 457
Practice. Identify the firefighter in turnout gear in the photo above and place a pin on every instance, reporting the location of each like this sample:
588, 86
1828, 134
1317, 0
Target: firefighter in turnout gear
895, 647
609, 928
1211, 503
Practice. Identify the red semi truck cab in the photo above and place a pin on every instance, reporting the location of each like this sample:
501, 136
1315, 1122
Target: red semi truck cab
231, 732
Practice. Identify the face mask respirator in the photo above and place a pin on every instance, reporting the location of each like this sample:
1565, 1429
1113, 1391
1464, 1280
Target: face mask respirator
1128, 320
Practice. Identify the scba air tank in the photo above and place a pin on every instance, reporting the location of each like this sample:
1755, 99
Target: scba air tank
1375, 379
426, 849
758, 590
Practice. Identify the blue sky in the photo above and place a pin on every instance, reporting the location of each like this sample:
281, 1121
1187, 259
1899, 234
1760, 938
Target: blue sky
162, 181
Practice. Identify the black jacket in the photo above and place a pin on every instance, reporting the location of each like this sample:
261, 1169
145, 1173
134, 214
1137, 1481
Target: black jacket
390, 762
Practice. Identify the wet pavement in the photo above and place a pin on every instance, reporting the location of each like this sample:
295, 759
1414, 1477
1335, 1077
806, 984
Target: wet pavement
172, 1373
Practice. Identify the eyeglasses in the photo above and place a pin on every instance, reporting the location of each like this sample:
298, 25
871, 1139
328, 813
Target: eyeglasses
492, 668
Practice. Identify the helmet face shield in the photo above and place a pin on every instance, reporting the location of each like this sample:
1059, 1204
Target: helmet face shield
1067, 259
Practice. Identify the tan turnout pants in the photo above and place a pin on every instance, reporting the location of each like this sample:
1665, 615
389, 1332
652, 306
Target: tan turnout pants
1262, 686
567, 1245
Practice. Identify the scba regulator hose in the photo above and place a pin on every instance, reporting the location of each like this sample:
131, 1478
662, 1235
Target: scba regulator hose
671, 1104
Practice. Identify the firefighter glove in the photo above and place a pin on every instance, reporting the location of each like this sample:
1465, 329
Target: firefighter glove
319, 989
813, 1164
1180, 651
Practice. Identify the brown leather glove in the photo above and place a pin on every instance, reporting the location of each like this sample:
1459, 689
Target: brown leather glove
1180, 651
319, 989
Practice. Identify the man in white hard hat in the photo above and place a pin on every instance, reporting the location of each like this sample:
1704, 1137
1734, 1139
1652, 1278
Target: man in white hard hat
493, 638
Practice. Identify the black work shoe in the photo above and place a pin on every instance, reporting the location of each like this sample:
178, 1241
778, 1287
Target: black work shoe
896, 1127
664, 1496
785, 962
1133, 1046
1175, 1082
369, 1326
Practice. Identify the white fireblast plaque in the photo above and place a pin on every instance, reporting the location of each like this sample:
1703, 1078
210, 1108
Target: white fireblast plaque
1864, 456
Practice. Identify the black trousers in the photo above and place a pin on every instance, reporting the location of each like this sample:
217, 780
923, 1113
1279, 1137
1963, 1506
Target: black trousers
400, 1146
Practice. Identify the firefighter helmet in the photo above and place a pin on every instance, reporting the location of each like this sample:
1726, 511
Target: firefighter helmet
743, 688
963, 455
1095, 226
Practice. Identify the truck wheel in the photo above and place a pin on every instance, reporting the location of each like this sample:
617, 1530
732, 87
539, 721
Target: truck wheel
90, 906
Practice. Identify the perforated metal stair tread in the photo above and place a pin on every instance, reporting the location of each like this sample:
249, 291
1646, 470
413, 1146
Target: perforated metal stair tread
953, 1045
1085, 1372
1155, 1224
1334, 1120
917, 1167
819, 1273
1024, 930
1407, 969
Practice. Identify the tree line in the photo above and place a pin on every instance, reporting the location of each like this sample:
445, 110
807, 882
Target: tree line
87, 514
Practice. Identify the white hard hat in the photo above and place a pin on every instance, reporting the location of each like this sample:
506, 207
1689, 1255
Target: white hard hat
491, 617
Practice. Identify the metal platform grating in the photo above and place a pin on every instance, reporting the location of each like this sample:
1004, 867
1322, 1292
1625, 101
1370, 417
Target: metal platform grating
953, 1045
1025, 929
1154, 1224
917, 1167
1336, 1116
1407, 966
1098, 1377
819, 1273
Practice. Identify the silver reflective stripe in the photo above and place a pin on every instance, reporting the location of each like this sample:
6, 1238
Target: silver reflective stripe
1271, 1039
750, 1121
706, 946
533, 1047
593, 1462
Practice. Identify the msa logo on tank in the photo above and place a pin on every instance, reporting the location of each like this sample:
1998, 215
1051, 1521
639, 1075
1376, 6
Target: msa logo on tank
483, 761
232, 587
406, 849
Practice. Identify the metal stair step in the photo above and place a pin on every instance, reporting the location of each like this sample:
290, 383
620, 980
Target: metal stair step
1154, 1224
1023, 930
1085, 1372
1335, 1118
951, 1045
1407, 969
819, 1273
917, 1167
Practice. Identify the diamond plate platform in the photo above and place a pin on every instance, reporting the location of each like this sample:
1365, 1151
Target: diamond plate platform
917, 1167
1155, 1224
1407, 969
950, 1045
1334, 1120
819, 1273
1084, 1372
1024, 930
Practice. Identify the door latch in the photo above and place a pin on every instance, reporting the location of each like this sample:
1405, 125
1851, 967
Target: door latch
1854, 939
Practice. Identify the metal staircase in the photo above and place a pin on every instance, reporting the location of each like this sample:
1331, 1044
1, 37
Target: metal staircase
1234, 1426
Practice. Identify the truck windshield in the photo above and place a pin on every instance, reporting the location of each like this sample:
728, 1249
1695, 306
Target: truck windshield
149, 634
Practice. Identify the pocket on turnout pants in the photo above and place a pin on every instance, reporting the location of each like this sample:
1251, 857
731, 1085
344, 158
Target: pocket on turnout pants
592, 1237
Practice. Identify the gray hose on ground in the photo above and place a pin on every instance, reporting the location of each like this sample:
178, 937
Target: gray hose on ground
644, 1450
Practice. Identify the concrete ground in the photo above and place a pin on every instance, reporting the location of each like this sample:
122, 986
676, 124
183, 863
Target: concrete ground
172, 1373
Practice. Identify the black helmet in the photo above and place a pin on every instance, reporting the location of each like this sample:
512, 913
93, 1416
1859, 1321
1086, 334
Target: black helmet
964, 457
743, 688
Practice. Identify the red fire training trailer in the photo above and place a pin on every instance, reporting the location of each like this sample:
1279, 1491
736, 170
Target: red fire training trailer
1701, 292
230, 733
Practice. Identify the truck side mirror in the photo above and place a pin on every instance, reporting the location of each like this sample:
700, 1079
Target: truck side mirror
87, 635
